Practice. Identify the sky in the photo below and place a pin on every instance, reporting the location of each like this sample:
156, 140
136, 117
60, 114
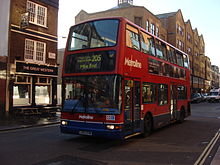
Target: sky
203, 15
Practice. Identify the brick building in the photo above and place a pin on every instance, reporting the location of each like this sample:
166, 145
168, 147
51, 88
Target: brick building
137, 14
215, 77
31, 55
172, 28
181, 35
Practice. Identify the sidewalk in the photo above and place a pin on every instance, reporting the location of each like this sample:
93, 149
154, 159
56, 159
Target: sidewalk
27, 122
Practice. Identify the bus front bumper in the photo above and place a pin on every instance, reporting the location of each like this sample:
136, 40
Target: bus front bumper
90, 129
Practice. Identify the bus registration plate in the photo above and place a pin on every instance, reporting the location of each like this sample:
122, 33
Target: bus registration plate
85, 133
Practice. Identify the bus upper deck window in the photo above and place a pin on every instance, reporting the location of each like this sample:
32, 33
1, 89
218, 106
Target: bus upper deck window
132, 37
179, 58
161, 50
147, 44
171, 55
186, 61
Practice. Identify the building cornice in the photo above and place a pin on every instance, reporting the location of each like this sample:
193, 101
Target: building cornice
33, 33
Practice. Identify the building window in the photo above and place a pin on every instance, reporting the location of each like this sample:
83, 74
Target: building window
196, 43
22, 91
180, 45
189, 38
37, 13
179, 29
43, 90
152, 29
34, 51
147, 25
138, 21
189, 51
157, 31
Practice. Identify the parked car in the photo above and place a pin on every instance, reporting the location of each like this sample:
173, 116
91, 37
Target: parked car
214, 95
204, 96
196, 98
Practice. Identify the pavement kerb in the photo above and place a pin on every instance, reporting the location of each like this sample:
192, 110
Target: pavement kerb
27, 126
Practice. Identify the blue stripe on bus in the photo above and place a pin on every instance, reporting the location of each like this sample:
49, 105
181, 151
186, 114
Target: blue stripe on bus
97, 129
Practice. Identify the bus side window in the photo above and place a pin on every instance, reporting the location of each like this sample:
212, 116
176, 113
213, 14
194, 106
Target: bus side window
162, 94
161, 50
179, 58
182, 92
186, 61
164, 50
144, 44
171, 55
132, 37
147, 44
148, 93
158, 49
152, 47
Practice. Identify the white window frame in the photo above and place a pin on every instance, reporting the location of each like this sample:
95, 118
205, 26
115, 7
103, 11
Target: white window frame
147, 25
48, 84
189, 51
37, 14
157, 31
34, 50
23, 101
152, 29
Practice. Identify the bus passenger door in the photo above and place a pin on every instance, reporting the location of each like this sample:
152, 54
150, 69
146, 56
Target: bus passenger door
173, 102
132, 106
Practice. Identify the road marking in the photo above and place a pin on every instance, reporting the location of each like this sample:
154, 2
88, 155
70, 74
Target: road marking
208, 149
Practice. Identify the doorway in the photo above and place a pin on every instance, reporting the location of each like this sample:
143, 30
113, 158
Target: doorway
132, 106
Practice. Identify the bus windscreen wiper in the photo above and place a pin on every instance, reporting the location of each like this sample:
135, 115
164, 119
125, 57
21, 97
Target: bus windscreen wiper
81, 99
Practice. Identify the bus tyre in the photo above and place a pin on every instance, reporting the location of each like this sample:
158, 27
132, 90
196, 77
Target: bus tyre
148, 125
182, 116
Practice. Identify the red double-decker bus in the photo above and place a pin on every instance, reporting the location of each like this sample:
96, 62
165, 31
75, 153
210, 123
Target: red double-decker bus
120, 81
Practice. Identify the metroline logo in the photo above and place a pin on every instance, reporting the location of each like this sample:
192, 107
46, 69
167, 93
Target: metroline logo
132, 63
85, 117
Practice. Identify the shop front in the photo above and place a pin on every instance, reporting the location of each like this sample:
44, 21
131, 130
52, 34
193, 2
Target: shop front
34, 89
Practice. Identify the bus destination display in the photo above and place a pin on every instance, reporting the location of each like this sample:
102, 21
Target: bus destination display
89, 62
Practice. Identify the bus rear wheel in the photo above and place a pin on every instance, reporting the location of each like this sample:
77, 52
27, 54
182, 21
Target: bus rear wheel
148, 125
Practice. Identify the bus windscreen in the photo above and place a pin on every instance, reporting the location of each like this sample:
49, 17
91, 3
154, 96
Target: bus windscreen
92, 94
101, 33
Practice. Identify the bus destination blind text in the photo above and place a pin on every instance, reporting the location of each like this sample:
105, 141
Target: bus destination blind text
88, 62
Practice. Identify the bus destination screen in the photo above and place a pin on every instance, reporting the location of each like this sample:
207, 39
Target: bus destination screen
90, 62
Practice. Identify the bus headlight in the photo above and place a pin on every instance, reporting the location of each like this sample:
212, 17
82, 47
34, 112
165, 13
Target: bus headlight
110, 127
64, 122
114, 127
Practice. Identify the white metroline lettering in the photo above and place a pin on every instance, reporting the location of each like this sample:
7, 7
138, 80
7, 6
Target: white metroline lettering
132, 63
